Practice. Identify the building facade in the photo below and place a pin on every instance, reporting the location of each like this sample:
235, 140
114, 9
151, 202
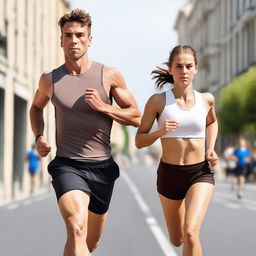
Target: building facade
223, 32
29, 45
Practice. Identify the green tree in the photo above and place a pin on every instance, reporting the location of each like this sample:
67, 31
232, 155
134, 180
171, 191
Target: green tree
249, 101
237, 107
230, 113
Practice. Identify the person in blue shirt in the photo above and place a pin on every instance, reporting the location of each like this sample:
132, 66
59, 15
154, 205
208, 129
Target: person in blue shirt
33, 166
242, 156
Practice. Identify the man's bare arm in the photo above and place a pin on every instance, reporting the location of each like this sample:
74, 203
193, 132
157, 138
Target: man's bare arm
40, 100
127, 113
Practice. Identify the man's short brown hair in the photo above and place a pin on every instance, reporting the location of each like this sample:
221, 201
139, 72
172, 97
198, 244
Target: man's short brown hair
77, 15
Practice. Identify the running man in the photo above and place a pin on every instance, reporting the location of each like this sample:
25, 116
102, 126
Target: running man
33, 166
83, 171
242, 157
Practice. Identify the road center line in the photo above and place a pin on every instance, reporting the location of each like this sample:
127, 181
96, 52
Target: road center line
150, 220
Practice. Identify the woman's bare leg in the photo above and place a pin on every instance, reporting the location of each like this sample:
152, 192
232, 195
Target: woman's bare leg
174, 212
196, 203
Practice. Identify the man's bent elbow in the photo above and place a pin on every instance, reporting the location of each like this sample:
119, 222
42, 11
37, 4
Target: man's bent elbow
136, 118
138, 146
138, 143
136, 122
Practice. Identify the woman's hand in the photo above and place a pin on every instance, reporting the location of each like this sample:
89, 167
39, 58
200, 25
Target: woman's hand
169, 126
211, 157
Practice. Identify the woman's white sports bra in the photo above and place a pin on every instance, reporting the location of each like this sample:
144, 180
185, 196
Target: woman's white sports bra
192, 122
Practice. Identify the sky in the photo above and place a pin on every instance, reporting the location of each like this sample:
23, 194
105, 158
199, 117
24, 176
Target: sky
133, 36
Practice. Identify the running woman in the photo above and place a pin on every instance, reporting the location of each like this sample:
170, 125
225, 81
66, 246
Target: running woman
83, 171
188, 130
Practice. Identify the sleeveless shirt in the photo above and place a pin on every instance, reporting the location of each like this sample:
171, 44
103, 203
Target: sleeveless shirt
192, 121
81, 132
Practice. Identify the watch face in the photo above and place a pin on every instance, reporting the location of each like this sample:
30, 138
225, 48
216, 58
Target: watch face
37, 136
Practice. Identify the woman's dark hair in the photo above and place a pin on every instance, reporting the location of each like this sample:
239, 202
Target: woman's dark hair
77, 15
162, 75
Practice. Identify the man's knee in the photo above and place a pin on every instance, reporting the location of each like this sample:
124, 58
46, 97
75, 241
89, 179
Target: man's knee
76, 226
93, 246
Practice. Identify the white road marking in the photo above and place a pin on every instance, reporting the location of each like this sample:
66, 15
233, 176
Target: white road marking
233, 197
233, 206
218, 200
252, 208
27, 201
12, 206
42, 197
231, 201
151, 221
247, 187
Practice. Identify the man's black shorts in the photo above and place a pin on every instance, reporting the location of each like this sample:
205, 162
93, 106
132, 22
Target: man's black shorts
94, 178
240, 170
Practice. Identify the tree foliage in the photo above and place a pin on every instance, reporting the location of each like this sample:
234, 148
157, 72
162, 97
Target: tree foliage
237, 108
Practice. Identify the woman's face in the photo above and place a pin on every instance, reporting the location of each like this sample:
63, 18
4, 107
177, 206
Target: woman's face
183, 69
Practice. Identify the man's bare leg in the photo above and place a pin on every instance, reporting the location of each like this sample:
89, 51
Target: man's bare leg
73, 206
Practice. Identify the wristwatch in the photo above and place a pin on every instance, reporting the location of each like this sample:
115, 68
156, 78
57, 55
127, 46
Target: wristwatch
37, 137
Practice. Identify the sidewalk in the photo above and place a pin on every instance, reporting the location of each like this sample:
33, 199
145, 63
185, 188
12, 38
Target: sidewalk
25, 196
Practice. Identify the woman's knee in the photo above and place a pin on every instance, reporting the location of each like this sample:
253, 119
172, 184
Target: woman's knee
191, 234
176, 241
176, 237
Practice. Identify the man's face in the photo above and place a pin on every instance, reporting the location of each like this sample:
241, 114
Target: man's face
75, 40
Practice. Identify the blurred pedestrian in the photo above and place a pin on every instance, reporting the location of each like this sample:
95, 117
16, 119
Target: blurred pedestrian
242, 157
33, 167
83, 171
230, 165
252, 175
187, 121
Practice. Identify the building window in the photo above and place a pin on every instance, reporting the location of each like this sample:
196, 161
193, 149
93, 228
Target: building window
3, 45
237, 53
25, 34
237, 9
19, 140
251, 42
3, 39
2, 96
230, 60
16, 49
3, 29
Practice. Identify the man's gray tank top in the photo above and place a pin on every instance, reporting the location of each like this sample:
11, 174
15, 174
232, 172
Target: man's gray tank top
81, 132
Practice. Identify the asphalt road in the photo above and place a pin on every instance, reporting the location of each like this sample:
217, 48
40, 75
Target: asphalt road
135, 225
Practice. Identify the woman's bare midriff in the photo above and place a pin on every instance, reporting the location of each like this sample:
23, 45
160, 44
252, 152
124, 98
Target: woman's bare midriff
183, 151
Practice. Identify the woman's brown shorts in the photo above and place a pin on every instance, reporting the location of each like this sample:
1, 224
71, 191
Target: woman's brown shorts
173, 181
